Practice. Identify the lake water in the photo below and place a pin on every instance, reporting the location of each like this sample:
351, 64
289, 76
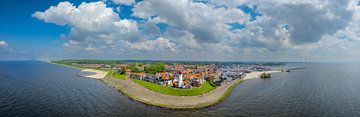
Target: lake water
29, 88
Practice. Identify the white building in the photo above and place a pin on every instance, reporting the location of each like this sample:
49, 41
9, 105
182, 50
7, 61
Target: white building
180, 80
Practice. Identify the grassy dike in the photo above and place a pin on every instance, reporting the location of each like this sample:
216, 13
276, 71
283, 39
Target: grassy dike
122, 90
200, 105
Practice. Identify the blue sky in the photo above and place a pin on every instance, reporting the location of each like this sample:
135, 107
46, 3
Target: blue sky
24, 33
264, 30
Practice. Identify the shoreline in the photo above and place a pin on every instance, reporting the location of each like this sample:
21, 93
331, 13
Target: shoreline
148, 97
143, 95
98, 74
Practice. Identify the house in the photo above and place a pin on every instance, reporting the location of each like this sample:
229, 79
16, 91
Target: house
187, 84
152, 78
139, 76
170, 83
190, 66
128, 72
218, 82
196, 82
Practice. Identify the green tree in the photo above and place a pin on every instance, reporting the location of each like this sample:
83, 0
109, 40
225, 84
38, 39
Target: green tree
123, 70
155, 67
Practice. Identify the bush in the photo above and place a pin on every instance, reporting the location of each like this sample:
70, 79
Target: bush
265, 75
212, 83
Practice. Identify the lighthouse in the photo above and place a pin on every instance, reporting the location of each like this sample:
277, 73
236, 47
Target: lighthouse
180, 80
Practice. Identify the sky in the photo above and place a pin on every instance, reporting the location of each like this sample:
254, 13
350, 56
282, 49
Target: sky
200, 30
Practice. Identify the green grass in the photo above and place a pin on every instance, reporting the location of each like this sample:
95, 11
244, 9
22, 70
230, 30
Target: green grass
118, 76
149, 85
204, 88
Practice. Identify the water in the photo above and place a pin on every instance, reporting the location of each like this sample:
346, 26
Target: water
30, 88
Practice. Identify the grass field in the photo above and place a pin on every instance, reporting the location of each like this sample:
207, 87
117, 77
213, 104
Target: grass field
118, 76
204, 88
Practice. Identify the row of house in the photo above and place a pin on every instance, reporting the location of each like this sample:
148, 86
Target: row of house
178, 80
179, 75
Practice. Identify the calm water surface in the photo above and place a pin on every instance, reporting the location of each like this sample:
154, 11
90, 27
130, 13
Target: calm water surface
29, 88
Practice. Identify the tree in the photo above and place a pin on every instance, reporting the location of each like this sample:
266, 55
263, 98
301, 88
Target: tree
123, 70
134, 69
155, 67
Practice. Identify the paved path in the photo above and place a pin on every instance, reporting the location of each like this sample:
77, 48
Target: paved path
147, 96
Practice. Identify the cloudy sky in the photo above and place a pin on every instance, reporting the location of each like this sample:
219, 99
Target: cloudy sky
217, 30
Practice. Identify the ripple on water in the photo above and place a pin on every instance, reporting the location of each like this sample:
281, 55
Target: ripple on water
31, 88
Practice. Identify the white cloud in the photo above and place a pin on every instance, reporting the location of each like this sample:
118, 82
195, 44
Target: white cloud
198, 28
228, 3
206, 22
94, 16
94, 26
126, 25
3, 44
159, 44
126, 2
56, 14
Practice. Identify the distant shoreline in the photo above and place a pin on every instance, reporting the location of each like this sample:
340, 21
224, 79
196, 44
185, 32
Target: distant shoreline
98, 73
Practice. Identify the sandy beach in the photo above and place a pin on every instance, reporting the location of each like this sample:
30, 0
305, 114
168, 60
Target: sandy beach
98, 74
257, 74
